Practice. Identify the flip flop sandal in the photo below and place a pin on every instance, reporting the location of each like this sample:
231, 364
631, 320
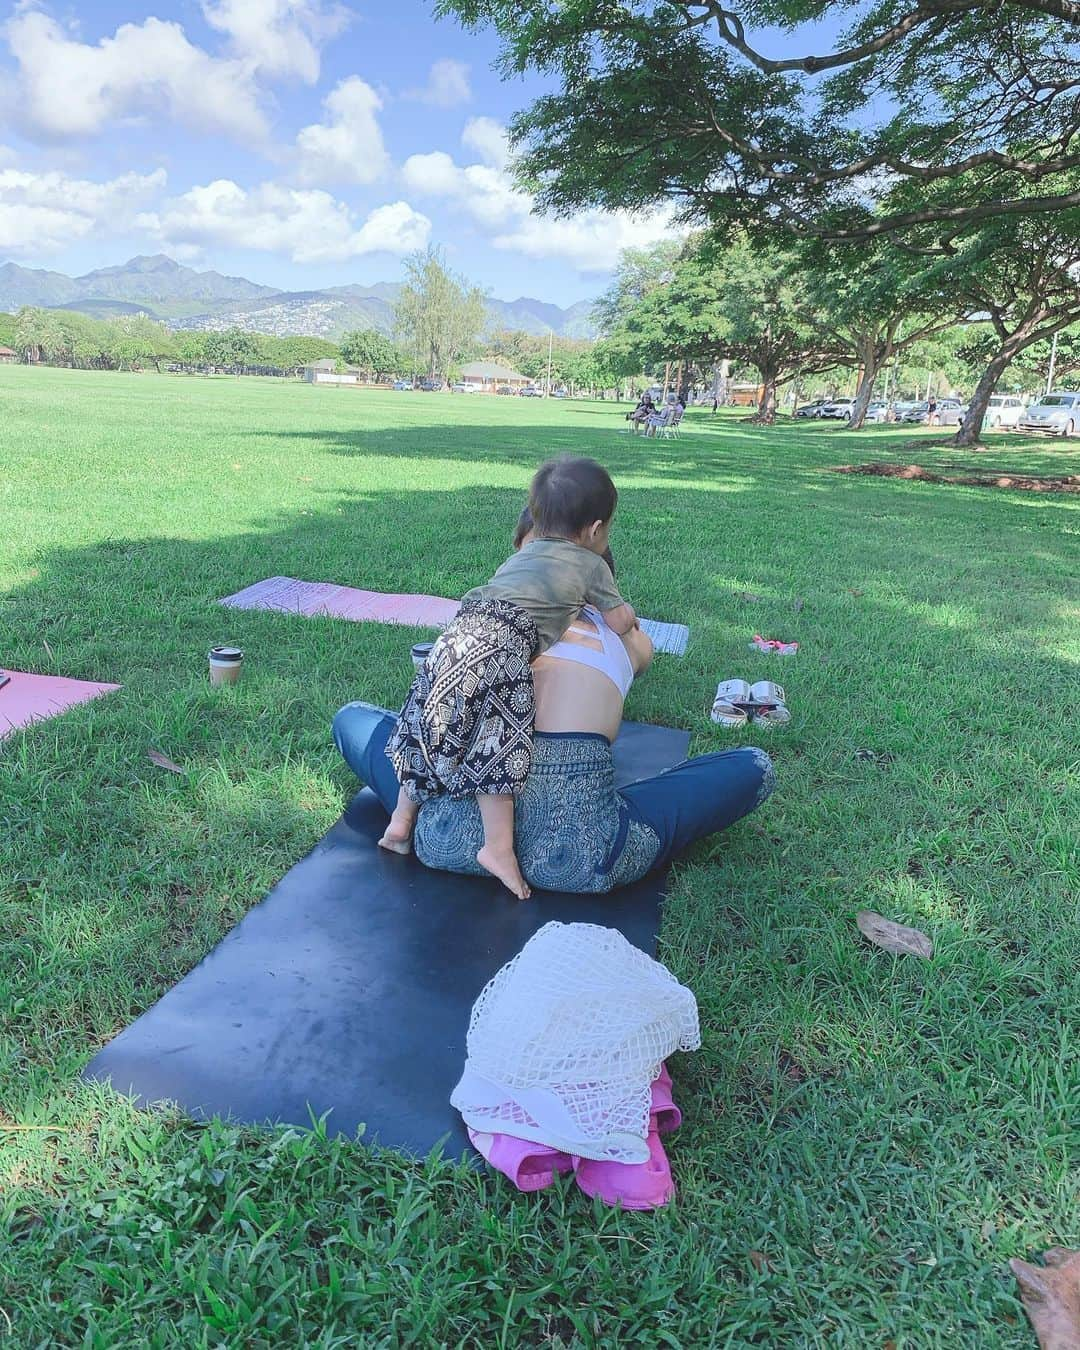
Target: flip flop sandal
646, 1185
727, 709
763, 644
531, 1167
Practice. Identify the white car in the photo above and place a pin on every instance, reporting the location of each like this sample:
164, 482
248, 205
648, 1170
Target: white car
1003, 410
839, 409
1056, 414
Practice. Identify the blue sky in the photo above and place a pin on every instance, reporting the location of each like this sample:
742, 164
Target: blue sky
301, 143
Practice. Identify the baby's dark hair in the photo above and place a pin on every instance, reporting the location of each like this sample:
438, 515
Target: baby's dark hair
569, 493
525, 524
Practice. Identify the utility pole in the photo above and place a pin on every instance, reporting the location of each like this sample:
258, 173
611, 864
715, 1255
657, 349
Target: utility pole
551, 338
1053, 363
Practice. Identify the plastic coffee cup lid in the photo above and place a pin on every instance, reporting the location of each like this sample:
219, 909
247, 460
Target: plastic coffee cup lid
226, 654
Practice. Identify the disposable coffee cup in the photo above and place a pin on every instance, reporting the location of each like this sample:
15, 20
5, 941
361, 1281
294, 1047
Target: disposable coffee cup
420, 653
225, 663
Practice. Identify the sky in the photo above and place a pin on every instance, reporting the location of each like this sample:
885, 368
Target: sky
300, 143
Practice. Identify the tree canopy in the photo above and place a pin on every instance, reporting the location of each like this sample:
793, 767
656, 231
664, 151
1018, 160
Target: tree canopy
943, 112
438, 314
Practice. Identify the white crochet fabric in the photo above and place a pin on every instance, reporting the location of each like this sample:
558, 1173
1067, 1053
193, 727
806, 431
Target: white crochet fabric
566, 1039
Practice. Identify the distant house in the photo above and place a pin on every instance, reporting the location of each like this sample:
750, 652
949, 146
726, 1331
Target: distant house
325, 371
744, 395
486, 376
7, 356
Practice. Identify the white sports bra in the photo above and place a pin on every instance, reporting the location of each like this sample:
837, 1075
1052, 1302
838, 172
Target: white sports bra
612, 660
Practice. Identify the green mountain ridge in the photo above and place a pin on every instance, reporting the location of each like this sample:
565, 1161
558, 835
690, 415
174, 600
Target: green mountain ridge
187, 299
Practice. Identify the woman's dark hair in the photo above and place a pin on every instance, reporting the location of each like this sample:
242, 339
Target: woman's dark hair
522, 528
525, 524
568, 494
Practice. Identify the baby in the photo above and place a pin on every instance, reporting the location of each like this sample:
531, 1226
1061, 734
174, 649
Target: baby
466, 727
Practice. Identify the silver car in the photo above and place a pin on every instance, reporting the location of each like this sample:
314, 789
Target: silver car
1003, 410
948, 413
1054, 414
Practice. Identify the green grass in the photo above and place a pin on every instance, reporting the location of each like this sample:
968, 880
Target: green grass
886, 1132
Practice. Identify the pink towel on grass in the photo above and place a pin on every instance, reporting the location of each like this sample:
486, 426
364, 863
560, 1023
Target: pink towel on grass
31, 698
344, 602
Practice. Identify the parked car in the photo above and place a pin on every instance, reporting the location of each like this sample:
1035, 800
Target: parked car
459, 388
403, 384
431, 386
838, 409
948, 413
877, 412
560, 393
504, 389
1056, 414
530, 391
1003, 410
811, 409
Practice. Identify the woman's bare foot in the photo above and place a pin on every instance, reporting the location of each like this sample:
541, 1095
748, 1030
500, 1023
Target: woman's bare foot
397, 838
504, 865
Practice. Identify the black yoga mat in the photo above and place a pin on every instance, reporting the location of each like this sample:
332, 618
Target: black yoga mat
348, 989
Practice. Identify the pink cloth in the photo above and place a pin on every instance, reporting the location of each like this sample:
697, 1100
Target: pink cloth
31, 698
344, 602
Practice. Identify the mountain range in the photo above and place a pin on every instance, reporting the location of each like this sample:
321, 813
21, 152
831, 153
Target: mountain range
184, 298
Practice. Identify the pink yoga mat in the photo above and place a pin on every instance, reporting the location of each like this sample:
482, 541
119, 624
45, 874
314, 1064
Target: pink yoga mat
290, 596
344, 602
32, 698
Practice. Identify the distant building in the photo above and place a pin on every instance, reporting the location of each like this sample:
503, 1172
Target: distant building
7, 356
325, 371
486, 376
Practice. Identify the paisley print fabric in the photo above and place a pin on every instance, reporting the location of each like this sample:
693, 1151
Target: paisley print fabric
572, 830
466, 727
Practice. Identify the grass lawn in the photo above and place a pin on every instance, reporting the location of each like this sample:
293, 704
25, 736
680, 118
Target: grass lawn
867, 1139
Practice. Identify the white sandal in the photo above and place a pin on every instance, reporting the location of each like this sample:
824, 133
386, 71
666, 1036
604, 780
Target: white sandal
774, 703
730, 693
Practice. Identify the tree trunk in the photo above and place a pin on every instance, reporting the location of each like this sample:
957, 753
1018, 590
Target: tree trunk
870, 366
969, 432
684, 382
766, 410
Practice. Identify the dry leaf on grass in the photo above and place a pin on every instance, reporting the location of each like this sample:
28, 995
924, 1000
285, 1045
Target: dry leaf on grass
853, 592
798, 605
760, 1262
1051, 1297
893, 937
164, 762
749, 597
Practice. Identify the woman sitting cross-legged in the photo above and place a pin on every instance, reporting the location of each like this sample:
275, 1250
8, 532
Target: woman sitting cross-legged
573, 829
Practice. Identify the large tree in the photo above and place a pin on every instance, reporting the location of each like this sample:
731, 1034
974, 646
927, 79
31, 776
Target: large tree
873, 303
658, 100
370, 351
438, 314
1022, 278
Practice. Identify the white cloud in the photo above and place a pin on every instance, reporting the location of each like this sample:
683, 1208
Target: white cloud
277, 37
306, 225
488, 138
67, 89
589, 242
7, 155
348, 147
487, 194
41, 213
447, 84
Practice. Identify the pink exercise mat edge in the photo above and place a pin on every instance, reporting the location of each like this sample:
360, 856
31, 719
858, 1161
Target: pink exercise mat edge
287, 595
28, 698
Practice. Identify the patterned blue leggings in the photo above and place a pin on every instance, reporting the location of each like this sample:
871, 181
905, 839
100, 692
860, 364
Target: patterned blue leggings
573, 831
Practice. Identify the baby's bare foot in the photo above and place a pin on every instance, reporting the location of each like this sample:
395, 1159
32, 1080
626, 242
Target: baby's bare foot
505, 867
397, 837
